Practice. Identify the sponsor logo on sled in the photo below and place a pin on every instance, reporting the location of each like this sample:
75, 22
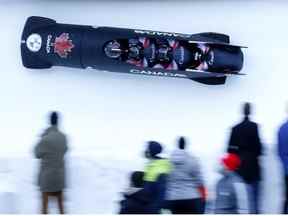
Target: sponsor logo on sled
156, 73
49, 44
158, 33
34, 42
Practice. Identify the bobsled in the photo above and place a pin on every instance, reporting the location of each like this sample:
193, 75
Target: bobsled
207, 57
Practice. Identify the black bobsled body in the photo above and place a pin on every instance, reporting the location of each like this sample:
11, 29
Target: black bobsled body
206, 57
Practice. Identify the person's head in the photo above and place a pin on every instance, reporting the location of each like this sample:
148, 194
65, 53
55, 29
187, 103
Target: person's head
54, 118
230, 162
137, 179
153, 149
247, 109
181, 143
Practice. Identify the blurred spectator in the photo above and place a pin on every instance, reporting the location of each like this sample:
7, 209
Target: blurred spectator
155, 177
283, 154
186, 193
231, 191
51, 150
245, 142
136, 200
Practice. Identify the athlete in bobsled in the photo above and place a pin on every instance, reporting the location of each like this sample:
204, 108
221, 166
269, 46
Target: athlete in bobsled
205, 57
166, 54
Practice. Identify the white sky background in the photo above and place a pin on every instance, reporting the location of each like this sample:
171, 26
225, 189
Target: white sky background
111, 115
118, 112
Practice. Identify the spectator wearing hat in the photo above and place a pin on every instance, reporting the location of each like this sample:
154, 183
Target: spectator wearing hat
231, 191
186, 193
51, 150
135, 199
155, 177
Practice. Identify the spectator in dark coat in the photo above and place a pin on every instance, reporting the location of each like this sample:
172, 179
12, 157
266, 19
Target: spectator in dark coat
245, 142
283, 154
51, 150
136, 200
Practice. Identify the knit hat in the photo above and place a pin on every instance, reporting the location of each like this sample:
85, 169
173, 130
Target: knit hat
231, 162
154, 148
137, 179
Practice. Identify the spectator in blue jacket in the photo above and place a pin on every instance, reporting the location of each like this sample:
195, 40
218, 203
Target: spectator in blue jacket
283, 154
231, 191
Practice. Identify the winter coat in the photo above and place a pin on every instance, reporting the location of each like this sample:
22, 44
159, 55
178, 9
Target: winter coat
155, 183
136, 201
51, 150
283, 146
185, 178
231, 195
245, 142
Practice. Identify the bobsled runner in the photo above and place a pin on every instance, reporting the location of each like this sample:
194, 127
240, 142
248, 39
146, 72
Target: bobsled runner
207, 58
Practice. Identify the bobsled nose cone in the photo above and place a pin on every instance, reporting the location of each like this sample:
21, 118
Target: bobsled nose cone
231, 58
32, 42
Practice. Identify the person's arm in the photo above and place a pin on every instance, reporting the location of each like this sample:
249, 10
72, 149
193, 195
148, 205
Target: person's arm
40, 148
149, 186
195, 170
241, 197
203, 192
259, 148
197, 174
66, 145
37, 150
233, 146
282, 148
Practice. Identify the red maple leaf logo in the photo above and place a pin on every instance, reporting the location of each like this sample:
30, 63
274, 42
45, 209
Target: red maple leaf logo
62, 45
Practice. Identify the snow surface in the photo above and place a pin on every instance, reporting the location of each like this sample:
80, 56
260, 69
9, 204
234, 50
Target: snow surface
109, 116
